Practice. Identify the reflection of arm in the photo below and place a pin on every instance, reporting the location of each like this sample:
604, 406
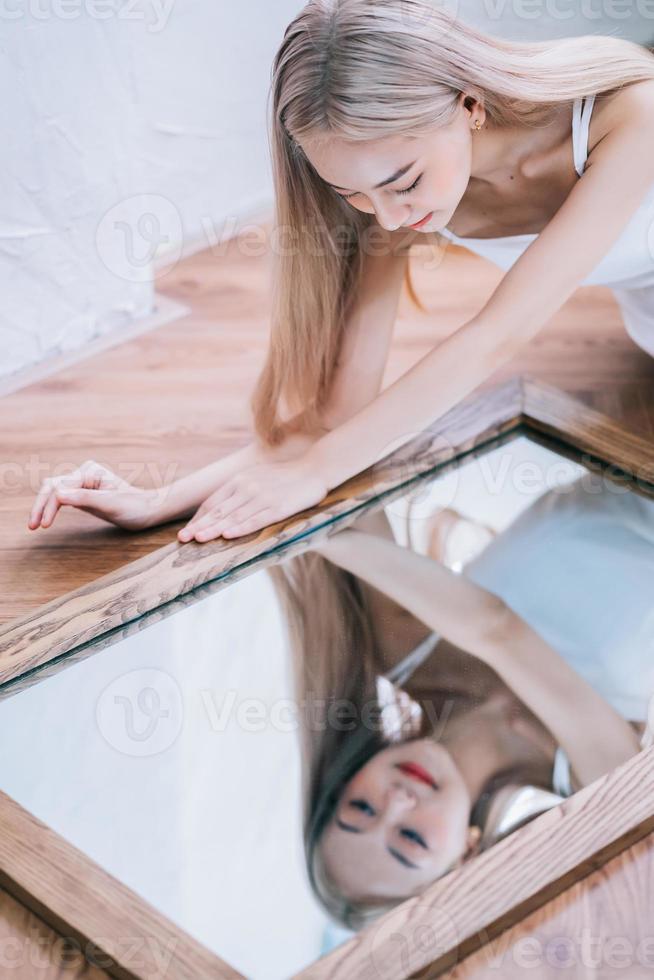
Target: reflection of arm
592, 734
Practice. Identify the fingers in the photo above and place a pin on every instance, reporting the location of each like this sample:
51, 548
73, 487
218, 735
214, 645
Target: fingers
260, 520
215, 509
41, 499
235, 528
90, 476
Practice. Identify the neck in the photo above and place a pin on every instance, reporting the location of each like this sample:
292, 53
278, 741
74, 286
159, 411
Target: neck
498, 150
475, 748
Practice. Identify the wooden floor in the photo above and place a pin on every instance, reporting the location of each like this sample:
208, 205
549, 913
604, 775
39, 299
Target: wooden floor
599, 928
167, 402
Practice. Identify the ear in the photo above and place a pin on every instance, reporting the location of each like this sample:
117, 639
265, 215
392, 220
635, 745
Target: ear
474, 840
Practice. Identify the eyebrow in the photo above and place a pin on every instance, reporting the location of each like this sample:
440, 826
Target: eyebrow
396, 176
391, 850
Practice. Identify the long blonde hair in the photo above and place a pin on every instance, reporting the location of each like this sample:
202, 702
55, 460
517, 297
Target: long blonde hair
364, 70
336, 656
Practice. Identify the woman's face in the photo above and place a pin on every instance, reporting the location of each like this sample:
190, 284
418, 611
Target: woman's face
435, 181
401, 822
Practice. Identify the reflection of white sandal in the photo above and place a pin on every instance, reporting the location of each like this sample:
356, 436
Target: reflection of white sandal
453, 539
512, 806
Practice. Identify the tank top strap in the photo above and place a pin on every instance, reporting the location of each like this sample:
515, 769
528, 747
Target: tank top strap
405, 667
581, 113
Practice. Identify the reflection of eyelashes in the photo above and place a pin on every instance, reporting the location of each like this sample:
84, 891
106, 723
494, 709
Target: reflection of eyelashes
363, 806
414, 836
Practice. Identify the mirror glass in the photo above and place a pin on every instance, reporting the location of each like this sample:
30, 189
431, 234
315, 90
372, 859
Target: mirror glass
295, 753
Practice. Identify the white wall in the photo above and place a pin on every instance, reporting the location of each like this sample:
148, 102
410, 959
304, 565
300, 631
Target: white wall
524, 20
130, 132
134, 133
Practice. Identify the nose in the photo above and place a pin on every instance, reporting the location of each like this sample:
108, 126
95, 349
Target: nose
390, 218
399, 799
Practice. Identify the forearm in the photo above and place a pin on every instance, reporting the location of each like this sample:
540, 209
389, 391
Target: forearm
595, 737
440, 380
181, 498
462, 612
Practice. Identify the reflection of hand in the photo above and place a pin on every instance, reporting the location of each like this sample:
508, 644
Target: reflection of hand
97, 490
255, 497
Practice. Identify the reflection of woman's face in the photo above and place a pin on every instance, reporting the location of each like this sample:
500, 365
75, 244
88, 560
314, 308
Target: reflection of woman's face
401, 822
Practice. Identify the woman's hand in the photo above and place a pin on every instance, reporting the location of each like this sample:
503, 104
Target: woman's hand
98, 491
259, 495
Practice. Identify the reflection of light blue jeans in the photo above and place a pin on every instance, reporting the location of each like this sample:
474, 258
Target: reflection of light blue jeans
637, 308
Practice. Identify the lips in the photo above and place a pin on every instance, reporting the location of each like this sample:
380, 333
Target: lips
423, 221
414, 771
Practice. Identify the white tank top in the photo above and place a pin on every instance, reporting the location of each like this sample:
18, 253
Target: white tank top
578, 566
628, 266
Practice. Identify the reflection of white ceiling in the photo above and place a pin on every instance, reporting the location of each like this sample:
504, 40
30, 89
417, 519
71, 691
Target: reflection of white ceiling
172, 760
491, 489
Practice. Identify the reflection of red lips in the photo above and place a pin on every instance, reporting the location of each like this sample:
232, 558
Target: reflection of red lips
416, 772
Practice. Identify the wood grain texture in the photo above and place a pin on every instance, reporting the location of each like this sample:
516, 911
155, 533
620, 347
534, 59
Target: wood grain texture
462, 911
164, 574
76, 619
31, 950
119, 930
602, 926
168, 402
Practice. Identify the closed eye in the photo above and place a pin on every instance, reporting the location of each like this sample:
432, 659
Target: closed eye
407, 190
414, 836
413, 186
363, 806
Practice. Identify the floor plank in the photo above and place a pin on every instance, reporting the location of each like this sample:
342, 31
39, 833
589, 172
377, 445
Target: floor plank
167, 402
601, 927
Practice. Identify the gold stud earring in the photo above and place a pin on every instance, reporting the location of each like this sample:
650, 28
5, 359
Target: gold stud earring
477, 125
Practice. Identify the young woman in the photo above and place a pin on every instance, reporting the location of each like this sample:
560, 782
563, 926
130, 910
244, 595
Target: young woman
393, 123
385, 818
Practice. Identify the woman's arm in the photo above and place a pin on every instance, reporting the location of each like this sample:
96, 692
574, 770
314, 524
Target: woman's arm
592, 734
357, 380
358, 377
619, 172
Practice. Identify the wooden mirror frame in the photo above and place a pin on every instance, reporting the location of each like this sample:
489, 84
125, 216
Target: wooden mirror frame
124, 935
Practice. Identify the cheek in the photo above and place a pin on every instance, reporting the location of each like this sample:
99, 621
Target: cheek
451, 177
362, 783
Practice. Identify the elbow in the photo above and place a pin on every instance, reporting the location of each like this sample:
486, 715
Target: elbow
499, 627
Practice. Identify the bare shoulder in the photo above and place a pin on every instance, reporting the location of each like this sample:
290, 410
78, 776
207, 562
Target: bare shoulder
634, 102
